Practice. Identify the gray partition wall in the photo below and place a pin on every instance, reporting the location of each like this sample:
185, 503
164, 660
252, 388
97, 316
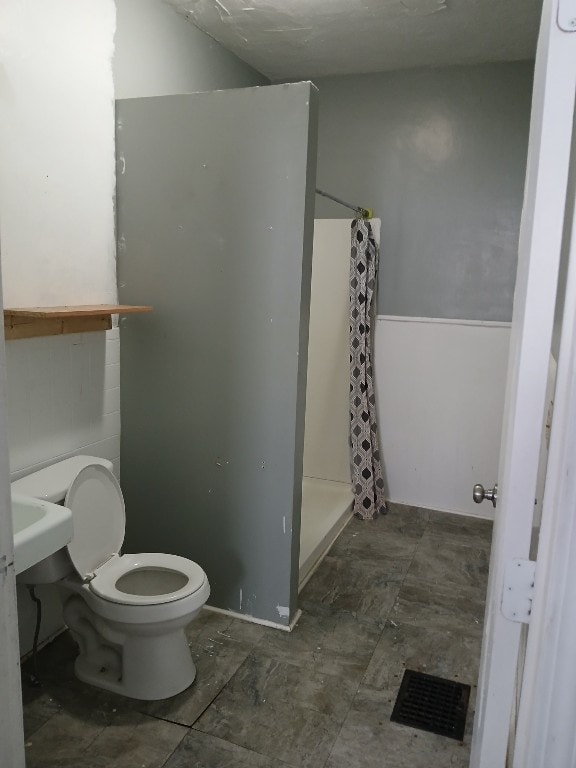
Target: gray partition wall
215, 219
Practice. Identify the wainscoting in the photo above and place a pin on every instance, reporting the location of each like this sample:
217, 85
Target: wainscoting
440, 388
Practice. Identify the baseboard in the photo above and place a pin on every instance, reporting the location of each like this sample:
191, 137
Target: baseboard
444, 321
462, 513
255, 620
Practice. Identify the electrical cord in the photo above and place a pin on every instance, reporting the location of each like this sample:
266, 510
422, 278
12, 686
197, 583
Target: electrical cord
34, 678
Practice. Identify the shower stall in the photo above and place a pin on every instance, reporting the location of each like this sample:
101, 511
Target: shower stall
326, 492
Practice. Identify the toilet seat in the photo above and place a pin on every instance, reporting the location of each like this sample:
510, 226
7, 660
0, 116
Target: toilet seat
107, 583
97, 505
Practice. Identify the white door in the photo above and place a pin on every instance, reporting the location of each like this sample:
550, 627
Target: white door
532, 321
545, 733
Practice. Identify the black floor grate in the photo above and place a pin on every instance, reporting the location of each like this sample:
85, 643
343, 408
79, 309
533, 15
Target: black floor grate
432, 704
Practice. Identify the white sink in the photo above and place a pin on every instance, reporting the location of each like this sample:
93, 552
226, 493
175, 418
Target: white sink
40, 529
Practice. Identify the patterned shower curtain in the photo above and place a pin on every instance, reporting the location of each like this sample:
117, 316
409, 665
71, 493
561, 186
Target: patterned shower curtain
367, 478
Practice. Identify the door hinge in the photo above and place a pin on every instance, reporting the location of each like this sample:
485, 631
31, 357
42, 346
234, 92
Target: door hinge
3, 565
567, 15
518, 590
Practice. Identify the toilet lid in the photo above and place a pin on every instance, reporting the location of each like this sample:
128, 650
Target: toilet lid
97, 507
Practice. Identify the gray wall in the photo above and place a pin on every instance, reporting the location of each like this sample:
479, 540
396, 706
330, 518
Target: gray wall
439, 154
159, 52
215, 218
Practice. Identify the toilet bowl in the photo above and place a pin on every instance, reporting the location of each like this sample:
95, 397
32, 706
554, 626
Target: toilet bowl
127, 612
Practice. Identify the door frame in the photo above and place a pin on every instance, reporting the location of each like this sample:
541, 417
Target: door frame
532, 322
11, 725
545, 734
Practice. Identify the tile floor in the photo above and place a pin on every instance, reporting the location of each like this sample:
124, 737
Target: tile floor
405, 591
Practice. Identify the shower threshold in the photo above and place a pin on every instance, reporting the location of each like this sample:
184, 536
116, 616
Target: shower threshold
326, 510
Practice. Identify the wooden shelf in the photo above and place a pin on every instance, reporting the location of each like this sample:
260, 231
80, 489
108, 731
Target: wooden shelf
27, 322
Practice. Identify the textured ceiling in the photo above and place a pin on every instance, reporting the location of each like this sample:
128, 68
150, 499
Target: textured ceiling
286, 39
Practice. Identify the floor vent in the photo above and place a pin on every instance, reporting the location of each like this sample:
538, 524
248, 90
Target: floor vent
432, 704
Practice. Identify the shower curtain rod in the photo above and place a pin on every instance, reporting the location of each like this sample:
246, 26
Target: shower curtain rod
366, 213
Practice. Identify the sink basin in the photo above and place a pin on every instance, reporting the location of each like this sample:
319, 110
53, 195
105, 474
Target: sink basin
40, 529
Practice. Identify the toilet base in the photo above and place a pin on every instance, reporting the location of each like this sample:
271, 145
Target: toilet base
137, 661
148, 668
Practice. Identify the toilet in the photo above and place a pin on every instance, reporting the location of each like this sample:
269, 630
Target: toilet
127, 612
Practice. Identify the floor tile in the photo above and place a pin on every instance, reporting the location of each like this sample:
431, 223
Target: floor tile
134, 739
219, 644
212, 626
39, 707
336, 644
389, 536
89, 760
450, 653
445, 562
369, 740
438, 607
280, 710
363, 588
461, 527
64, 736
130, 739
200, 750
407, 519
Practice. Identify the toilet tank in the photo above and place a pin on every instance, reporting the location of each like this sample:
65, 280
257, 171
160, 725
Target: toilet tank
52, 483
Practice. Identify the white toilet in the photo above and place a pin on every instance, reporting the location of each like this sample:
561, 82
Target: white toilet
127, 612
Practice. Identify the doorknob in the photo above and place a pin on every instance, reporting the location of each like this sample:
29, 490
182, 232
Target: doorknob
479, 494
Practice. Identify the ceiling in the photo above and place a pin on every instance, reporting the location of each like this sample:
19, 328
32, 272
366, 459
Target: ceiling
295, 39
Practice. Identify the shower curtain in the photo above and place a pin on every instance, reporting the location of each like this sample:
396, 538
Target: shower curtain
367, 477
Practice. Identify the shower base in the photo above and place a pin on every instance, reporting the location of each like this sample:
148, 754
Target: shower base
326, 508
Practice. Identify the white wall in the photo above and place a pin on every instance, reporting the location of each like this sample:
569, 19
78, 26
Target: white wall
57, 152
57, 232
56, 215
159, 52
63, 398
440, 390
